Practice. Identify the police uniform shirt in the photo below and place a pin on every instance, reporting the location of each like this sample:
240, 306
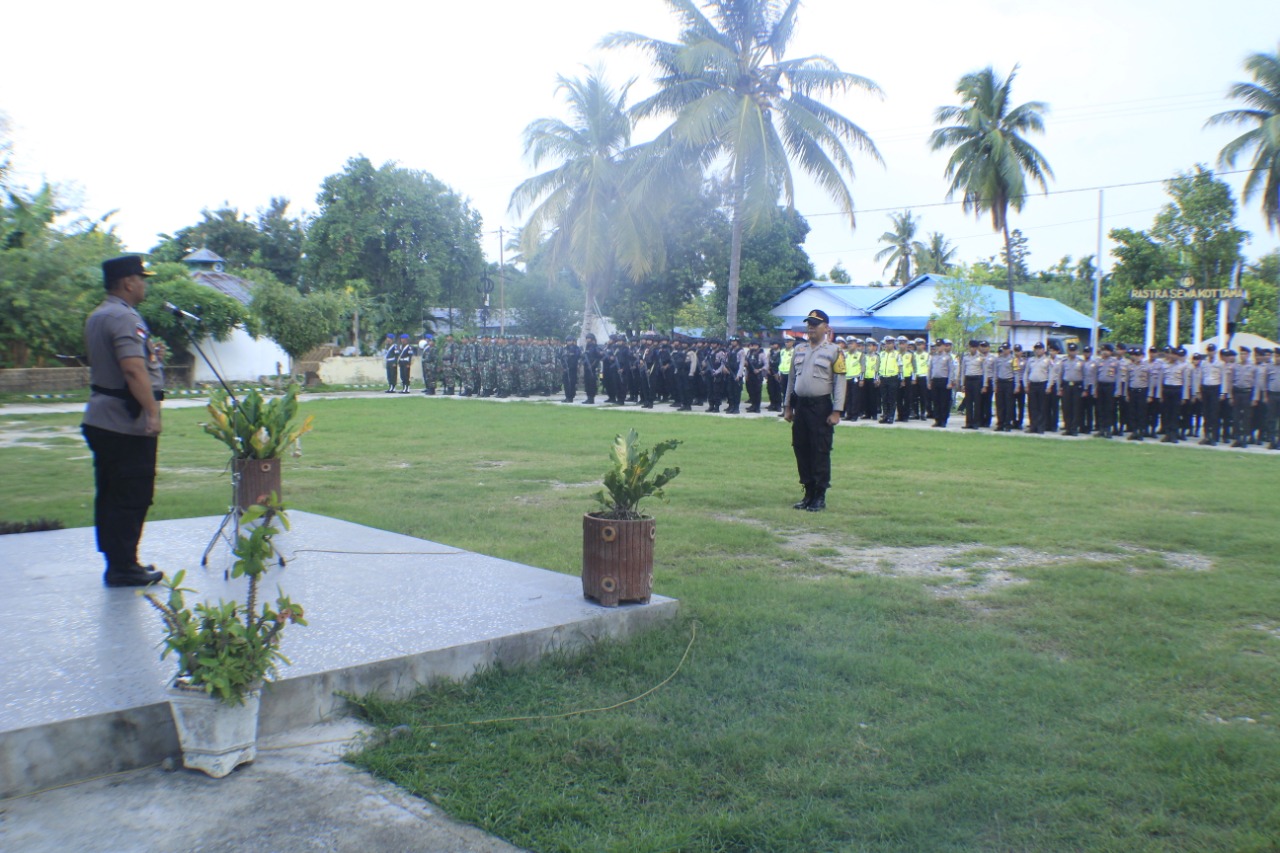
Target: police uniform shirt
817, 372
1071, 370
116, 330
1039, 368
1003, 367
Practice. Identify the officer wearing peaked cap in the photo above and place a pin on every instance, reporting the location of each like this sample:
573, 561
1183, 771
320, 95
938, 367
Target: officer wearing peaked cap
814, 400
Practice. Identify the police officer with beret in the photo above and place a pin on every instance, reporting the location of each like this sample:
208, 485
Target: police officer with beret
814, 401
122, 421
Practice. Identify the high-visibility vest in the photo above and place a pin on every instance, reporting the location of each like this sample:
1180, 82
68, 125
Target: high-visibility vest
784, 365
889, 364
853, 365
908, 360
922, 364
871, 365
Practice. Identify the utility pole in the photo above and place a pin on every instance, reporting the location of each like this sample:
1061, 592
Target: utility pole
1097, 280
502, 284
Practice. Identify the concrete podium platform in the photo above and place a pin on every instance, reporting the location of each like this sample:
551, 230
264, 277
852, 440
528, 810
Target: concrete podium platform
81, 680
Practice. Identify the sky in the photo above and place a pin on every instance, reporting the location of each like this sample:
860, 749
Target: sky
158, 110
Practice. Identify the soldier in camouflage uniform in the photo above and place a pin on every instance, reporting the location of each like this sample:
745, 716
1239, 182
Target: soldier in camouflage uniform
430, 364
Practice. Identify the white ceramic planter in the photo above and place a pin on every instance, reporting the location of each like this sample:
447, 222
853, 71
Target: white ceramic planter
216, 738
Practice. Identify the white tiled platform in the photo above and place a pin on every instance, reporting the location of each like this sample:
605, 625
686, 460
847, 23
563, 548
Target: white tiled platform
81, 678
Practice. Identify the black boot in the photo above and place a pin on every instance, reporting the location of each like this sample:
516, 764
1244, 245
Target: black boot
819, 502
804, 502
134, 575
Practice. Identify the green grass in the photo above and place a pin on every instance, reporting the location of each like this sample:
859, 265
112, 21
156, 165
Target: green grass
1101, 705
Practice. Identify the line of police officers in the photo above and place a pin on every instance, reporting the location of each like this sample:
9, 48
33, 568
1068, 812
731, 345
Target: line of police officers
1222, 396
1217, 397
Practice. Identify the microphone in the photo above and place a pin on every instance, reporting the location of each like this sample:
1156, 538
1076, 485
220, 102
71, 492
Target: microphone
178, 312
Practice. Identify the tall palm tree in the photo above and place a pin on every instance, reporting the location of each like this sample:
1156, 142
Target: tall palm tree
935, 256
991, 160
1263, 100
580, 205
901, 248
740, 104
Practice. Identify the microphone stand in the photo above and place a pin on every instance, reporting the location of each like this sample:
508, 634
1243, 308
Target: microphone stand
234, 511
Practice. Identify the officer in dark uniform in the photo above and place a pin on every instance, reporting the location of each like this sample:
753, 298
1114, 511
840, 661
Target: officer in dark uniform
569, 358
590, 368
391, 358
408, 352
122, 421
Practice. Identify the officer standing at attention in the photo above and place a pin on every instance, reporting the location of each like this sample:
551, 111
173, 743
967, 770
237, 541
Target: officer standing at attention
391, 358
430, 361
569, 358
408, 352
888, 379
973, 371
814, 400
122, 421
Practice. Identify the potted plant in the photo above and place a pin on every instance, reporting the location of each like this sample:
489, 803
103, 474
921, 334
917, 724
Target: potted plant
225, 651
617, 540
257, 431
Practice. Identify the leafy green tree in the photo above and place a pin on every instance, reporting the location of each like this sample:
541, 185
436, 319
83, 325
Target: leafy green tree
298, 322
936, 256
1141, 262
739, 102
219, 314
693, 231
991, 160
773, 262
964, 307
839, 275
581, 206
226, 232
1261, 314
1198, 226
1015, 255
396, 241
1262, 111
901, 247
280, 240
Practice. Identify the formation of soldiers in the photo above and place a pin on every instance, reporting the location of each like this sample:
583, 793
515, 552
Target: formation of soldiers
1218, 397
1225, 396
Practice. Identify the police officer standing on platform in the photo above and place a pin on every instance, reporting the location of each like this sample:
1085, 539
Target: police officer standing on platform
813, 403
122, 421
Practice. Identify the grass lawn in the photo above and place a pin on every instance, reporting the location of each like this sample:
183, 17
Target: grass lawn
986, 642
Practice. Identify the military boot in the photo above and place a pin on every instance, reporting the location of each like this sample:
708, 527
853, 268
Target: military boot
804, 502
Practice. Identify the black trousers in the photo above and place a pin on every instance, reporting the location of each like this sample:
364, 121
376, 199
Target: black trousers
392, 369
811, 438
940, 400
1211, 401
1243, 407
1138, 411
1037, 405
1171, 410
1071, 408
888, 398
1004, 404
852, 399
589, 381
124, 476
774, 391
972, 401
1106, 407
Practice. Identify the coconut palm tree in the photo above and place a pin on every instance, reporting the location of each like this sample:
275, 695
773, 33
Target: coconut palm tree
580, 205
991, 160
739, 104
902, 246
935, 256
1263, 100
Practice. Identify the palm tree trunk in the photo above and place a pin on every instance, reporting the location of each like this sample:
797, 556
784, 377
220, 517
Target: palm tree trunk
735, 255
1008, 268
589, 318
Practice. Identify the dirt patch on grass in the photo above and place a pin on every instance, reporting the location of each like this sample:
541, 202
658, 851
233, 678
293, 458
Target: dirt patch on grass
19, 434
968, 570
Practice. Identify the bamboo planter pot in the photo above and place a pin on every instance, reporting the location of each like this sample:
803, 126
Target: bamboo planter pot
256, 479
617, 559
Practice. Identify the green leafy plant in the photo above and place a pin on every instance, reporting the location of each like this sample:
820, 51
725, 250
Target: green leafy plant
631, 479
228, 648
257, 428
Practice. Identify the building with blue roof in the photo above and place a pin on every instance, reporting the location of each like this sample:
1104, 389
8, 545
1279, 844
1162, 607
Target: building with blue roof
907, 310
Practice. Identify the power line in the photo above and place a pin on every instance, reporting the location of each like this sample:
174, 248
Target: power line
906, 207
